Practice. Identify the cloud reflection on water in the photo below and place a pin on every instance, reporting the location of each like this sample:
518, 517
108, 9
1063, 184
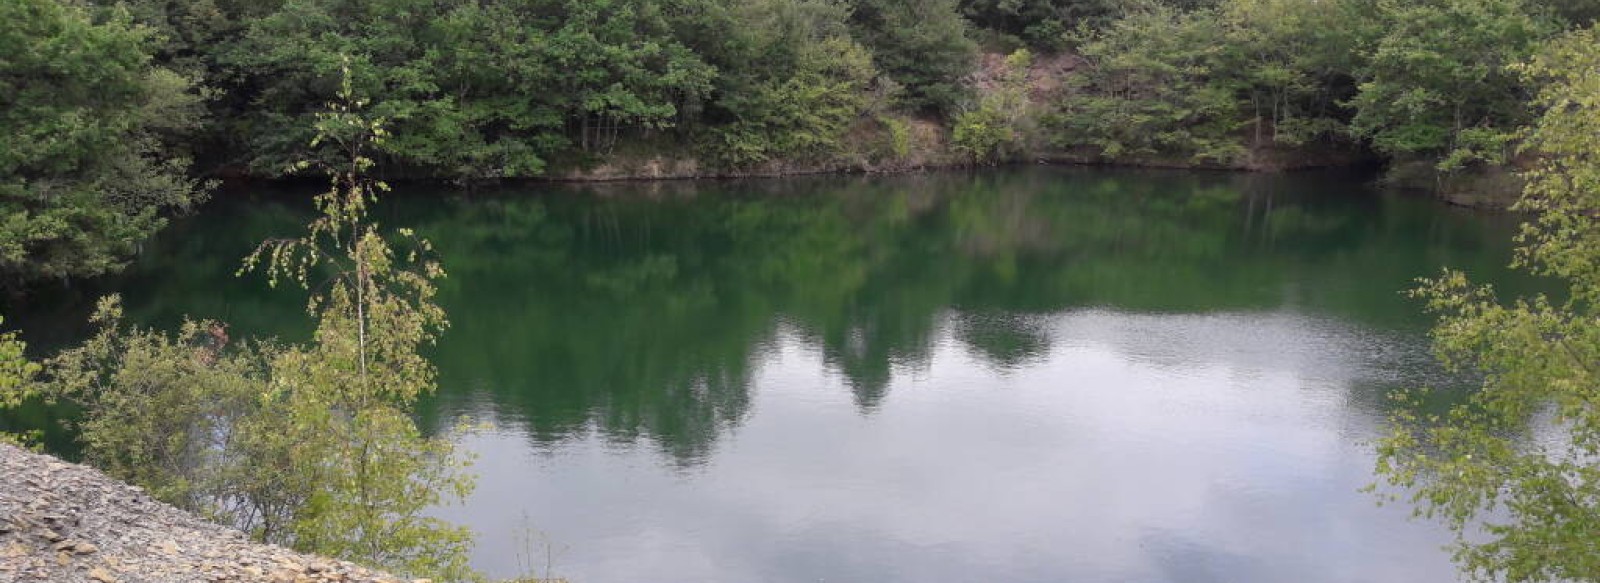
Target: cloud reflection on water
1138, 448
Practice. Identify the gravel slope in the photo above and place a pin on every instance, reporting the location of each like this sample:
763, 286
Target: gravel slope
67, 523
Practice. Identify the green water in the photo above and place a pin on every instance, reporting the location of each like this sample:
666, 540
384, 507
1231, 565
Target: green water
1021, 375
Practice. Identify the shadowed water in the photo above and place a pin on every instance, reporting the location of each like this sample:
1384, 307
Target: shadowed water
1020, 375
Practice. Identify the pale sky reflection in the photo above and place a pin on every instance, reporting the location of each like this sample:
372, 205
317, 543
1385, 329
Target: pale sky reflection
1221, 447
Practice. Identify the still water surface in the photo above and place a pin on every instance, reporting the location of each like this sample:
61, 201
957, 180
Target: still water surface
1020, 375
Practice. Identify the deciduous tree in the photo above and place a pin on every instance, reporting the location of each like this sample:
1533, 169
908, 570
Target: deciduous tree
87, 166
1513, 471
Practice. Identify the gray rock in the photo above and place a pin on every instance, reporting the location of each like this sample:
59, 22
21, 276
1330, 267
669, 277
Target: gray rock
66, 523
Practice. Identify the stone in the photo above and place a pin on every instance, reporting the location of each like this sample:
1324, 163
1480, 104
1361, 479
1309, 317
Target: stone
13, 550
66, 522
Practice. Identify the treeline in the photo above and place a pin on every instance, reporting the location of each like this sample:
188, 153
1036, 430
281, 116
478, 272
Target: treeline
504, 89
1416, 81
111, 108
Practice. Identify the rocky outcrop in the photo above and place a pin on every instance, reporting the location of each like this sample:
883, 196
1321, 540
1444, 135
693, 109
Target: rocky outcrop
67, 523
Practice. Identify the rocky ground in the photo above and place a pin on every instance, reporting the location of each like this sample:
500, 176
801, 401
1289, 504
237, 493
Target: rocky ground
67, 523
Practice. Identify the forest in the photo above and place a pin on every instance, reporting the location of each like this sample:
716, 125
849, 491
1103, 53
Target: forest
119, 114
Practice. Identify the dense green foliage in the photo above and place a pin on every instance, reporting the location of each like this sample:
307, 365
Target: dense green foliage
1412, 80
472, 90
1213, 85
518, 88
479, 90
86, 167
1042, 23
1158, 85
921, 44
1518, 462
795, 84
484, 90
1438, 84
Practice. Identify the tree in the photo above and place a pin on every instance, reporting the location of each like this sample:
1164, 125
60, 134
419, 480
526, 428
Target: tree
1516, 462
86, 168
1154, 87
1437, 86
795, 85
995, 129
1216, 84
166, 411
922, 45
190, 35
194, 38
1293, 61
349, 393
1042, 23
473, 90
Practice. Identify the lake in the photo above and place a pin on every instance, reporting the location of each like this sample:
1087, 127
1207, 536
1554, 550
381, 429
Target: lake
1031, 374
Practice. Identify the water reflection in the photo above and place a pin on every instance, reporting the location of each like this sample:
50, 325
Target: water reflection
1025, 375
1114, 458
644, 315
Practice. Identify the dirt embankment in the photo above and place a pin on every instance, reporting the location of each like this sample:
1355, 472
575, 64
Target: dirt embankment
67, 523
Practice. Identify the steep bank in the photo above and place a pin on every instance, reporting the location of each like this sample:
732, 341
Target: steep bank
67, 523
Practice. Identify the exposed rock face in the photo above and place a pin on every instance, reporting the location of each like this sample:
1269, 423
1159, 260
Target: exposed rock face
67, 523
